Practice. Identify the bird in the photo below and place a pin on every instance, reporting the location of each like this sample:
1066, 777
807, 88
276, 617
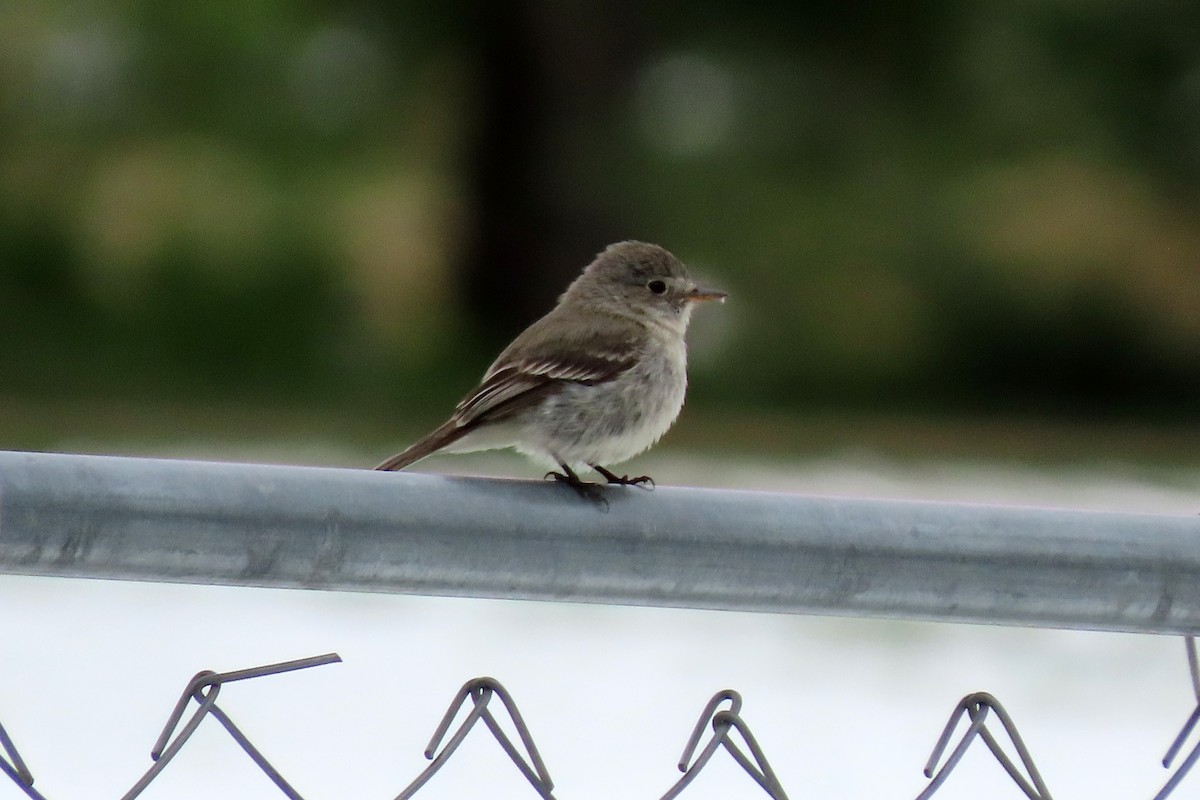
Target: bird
594, 382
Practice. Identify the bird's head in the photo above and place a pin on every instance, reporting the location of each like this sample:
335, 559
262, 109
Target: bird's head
642, 278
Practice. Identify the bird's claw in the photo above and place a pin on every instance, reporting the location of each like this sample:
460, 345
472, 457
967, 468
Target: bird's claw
585, 489
643, 481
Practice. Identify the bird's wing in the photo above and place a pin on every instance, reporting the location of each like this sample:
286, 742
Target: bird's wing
512, 386
525, 373
532, 368
506, 389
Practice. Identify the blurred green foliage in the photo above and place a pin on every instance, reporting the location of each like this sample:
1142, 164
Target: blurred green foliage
914, 205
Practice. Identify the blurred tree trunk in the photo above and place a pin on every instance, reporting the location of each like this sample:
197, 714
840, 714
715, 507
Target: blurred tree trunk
554, 76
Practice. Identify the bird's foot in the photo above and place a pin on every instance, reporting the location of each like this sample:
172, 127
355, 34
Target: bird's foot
644, 481
585, 489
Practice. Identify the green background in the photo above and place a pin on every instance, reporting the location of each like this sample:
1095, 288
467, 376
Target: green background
968, 228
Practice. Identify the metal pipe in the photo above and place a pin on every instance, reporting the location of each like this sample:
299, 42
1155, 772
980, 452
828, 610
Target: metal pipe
359, 530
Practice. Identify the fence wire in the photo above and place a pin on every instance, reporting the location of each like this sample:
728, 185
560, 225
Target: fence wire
726, 724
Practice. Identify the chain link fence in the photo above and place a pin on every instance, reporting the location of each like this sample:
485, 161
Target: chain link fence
346, 529
486, 700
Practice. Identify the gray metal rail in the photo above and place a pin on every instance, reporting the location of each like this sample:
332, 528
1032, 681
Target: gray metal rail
358, 530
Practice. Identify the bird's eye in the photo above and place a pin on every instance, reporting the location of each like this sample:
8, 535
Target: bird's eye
658, 287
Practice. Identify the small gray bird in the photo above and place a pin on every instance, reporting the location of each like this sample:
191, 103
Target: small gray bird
595, 382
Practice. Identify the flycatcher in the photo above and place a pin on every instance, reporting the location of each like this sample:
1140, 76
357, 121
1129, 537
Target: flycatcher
596, 381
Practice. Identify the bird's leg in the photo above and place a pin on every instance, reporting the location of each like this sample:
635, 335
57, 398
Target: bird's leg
645, 481
585, 489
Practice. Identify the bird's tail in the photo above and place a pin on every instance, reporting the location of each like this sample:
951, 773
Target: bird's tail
448, 433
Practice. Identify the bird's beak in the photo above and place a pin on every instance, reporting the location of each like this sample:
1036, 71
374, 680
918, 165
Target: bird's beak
701, 295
